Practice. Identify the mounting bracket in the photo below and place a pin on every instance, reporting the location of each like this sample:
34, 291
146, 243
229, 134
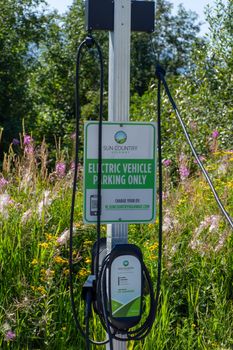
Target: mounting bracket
100, 15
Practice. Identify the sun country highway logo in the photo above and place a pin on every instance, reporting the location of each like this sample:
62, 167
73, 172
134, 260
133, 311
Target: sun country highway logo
120, 137
121, 146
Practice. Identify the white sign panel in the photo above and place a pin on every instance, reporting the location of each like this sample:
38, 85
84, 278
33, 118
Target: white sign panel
128, 172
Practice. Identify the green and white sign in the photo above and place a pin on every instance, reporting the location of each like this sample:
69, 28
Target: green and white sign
128, 172
126, 286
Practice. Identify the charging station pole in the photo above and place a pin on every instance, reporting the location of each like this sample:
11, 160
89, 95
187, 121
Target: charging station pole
118, 97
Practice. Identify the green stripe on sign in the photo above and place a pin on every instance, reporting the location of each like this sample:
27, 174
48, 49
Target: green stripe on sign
129, 310
120, 173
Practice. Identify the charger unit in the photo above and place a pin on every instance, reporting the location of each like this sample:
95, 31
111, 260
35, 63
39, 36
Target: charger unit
125, 286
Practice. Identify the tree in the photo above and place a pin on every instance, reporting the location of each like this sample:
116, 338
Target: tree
21, 29
170, 45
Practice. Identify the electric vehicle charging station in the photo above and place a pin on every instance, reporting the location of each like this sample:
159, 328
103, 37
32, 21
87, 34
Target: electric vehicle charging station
115, 287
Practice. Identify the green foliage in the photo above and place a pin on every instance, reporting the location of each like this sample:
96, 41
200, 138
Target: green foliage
21, 29
52, 82
196, 297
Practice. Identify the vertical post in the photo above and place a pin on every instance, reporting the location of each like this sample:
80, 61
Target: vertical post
118, 97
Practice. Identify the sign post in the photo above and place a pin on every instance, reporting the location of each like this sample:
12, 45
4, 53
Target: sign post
119, 18
118, 101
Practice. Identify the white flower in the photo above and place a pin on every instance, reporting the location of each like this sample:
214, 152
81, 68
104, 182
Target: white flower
26, 216
46, 201
65, 235
5, 201
169, 222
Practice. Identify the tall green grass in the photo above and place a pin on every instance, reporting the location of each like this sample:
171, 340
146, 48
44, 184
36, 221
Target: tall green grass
196, 304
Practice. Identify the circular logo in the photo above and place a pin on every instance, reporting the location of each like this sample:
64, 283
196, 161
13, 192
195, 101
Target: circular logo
120, 137
125, 262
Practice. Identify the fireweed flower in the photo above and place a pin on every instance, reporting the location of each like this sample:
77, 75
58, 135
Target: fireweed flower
60, 169
72, 165
184, 172
15, 142
202, 159
3, 182
167, 162
215, 134
10, 336
27, 140
29, 149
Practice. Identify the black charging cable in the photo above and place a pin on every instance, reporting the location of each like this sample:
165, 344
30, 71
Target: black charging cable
160, 72
89, 42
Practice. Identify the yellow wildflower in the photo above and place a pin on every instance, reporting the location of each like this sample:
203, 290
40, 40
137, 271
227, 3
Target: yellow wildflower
87, 260
153, 247
41, 290
78, 224
230, 184
34, 262
153, 257
60, 260
227, 152
150, 226
44, 245
82, 273
50, 237
66, 272
87, 243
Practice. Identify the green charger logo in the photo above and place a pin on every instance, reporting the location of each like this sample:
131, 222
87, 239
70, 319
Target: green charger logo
120, 137
125, 263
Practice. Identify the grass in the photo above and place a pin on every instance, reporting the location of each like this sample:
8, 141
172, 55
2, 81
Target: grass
196, 305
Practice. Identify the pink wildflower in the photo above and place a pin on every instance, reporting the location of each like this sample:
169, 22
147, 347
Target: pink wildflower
72, 165
193, 125
3, 182
202, 158
184, 172
215, 134
29, 149
27, 139
61, 169
10, 336
15, 142
167, 162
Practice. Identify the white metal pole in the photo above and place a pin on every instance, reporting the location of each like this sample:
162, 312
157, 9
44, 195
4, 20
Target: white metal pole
118, 100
